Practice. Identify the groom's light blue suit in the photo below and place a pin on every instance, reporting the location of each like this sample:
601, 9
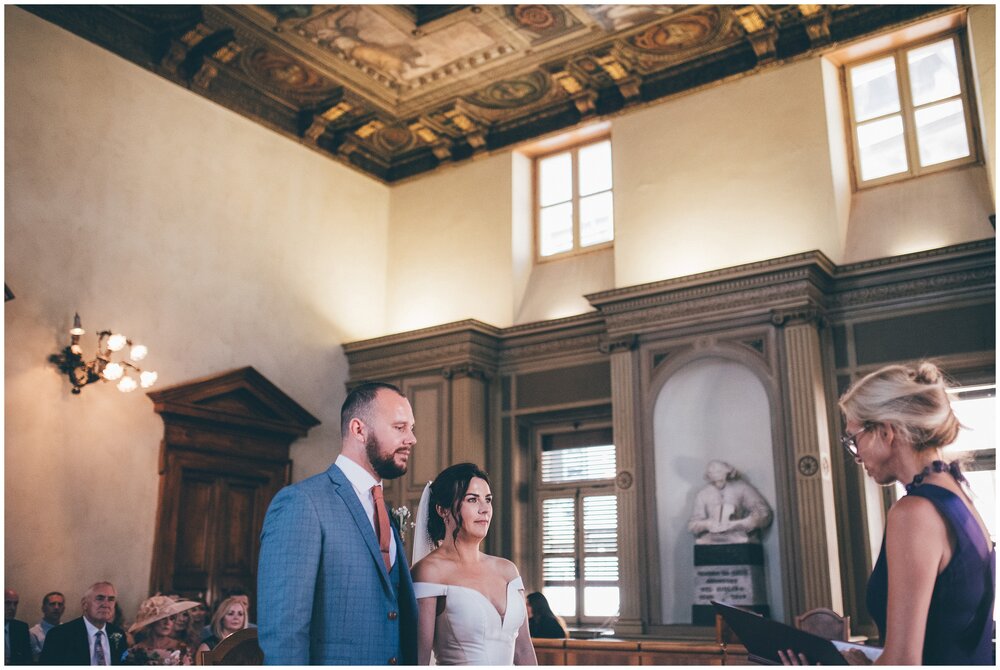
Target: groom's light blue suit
323, 594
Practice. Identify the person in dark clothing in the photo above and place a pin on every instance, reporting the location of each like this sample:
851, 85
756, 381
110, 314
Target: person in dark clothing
542, 621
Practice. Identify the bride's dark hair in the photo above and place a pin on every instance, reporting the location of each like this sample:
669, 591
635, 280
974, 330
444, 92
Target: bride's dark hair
447, 490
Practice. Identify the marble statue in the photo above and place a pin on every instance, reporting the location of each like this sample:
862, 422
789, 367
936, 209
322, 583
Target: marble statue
728, 510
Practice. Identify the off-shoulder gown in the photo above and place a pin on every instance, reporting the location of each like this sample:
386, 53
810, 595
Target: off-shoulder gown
470, 630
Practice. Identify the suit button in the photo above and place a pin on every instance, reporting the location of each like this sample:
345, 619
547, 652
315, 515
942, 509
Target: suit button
392, 616
393, 661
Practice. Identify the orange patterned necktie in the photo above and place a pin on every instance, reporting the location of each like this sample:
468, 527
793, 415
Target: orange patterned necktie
381, 525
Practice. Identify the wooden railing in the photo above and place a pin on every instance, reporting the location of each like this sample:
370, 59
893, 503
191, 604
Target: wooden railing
636, 652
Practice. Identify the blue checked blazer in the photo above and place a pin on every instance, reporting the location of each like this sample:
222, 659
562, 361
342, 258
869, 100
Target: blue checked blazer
323, 594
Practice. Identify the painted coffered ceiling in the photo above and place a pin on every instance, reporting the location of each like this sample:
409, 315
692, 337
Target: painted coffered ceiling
399, 90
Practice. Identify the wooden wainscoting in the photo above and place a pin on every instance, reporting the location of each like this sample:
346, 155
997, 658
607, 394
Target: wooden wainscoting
636, 652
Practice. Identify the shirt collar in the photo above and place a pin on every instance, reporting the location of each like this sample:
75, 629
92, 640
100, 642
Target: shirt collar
360, 478
91, 628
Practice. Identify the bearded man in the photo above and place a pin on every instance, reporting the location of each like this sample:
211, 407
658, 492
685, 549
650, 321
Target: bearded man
332, 580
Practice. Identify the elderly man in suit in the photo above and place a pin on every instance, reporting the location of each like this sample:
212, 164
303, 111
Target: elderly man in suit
333, 584
16, 642
92, 639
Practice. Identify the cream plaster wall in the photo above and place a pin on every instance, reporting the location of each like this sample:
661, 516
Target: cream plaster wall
216, 242
733, 174
983, 43
918, 214
449, 250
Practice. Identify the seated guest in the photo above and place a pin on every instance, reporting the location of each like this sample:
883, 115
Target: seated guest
236, 592
16, 641
90, 640
542, 621
154, 628
199, 619
53, 606
184, 628
230, 617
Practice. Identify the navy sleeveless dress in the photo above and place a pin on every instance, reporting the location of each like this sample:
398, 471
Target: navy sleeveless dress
960, 619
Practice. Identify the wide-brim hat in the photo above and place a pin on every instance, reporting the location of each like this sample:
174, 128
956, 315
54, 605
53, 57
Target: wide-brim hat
159, 607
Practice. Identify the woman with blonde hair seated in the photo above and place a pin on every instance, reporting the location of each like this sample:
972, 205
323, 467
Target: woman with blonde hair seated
229, 617
154, 633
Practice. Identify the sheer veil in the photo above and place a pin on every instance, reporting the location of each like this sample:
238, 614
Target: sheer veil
422, 544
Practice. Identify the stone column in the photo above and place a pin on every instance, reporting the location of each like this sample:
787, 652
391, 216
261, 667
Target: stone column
814, 573
624, 400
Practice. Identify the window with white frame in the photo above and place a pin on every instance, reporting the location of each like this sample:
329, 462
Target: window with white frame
574, 202
975, 448
579, 523
910, 111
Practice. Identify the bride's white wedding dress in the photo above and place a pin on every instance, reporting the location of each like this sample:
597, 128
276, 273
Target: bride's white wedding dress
470, 630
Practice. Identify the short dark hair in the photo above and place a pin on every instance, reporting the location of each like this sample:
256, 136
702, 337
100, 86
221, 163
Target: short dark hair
359, 401
45, 598
447, 490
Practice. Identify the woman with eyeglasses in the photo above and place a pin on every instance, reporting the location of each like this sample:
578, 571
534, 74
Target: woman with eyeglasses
932, 589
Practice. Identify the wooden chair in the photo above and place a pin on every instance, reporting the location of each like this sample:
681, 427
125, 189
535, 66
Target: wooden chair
240, 648
826, 623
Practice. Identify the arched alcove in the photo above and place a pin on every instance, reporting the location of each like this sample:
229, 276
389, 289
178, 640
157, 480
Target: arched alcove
710, 408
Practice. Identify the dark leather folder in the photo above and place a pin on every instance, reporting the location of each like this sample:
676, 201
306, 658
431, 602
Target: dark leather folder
764, 637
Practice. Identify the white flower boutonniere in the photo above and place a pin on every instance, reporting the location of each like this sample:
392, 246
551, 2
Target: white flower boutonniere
402, 516
115, 638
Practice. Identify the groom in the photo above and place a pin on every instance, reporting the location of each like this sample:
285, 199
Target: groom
332, 580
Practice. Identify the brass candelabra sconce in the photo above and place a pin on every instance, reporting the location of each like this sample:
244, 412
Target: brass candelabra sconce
103, 367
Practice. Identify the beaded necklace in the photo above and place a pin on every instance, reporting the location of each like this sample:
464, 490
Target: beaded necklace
937, 466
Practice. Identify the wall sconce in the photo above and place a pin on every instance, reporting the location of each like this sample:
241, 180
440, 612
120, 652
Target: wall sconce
103, 368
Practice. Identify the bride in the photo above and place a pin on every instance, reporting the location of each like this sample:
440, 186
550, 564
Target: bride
471, 605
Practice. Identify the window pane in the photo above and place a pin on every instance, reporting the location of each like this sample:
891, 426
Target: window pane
600, 568
882, 148
600, 524
597, 222
556, 231
555, 179
595, 168
578, 464
600, 601
562, 599
559, 569
941, 132
558, 525
933, 72
874, 89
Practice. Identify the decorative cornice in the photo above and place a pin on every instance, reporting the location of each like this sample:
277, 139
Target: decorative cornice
476, 80
739, 277
799, 288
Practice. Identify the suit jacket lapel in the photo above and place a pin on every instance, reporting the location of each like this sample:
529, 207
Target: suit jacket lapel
345, 490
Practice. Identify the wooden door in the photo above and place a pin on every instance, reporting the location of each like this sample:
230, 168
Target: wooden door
217, 506
224, 456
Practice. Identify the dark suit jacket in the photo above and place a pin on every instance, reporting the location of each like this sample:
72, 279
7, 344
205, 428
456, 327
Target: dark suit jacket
69, 644
20, 643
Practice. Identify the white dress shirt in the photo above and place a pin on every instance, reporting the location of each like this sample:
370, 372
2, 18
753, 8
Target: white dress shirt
362, 481
105, 642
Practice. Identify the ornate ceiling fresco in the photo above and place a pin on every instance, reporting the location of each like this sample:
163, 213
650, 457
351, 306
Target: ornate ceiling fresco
398, 90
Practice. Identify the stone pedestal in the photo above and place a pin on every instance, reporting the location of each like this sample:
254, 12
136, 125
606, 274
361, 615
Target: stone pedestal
729, 573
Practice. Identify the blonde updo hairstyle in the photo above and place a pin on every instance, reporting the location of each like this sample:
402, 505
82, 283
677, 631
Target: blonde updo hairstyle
912, 400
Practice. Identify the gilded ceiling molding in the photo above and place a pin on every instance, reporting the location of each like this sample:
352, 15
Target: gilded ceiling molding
425, 86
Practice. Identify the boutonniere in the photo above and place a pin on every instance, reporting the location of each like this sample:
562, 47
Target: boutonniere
402, 516
115, 638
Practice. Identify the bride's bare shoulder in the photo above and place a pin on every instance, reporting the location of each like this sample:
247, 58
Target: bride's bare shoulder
431, 568
505, 568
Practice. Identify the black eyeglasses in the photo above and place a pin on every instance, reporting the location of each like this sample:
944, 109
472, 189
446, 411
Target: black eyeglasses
850, 442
